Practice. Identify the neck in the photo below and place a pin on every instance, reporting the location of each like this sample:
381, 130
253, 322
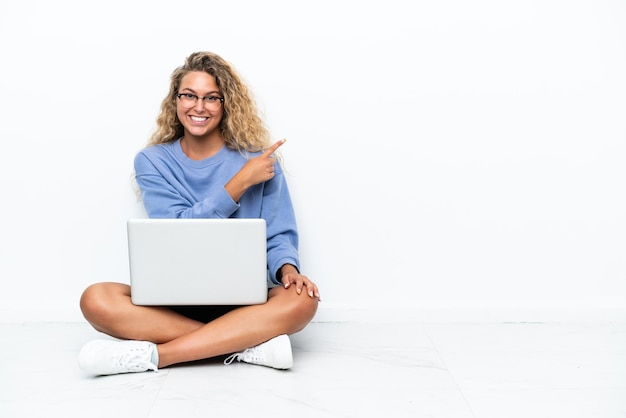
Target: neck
199, 149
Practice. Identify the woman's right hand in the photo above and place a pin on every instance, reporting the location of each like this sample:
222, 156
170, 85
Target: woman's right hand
256, 170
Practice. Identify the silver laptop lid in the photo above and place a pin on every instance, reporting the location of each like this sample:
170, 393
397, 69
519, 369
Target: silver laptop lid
197, 261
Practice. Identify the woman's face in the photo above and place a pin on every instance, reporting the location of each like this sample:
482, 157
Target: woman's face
199, 108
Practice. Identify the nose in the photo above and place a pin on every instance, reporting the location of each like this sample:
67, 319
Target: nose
199, 106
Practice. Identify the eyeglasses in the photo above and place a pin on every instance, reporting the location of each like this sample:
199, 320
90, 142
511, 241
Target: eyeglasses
190, 100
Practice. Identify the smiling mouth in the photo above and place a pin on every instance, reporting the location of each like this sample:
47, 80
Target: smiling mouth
199, 118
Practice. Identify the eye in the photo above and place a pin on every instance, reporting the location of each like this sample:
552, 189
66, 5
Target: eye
189, 96
212, 99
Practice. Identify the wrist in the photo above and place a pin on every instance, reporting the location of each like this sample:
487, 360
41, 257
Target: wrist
286, 269
235, 188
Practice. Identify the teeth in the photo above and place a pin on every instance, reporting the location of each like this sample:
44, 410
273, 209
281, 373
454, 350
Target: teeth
198, 119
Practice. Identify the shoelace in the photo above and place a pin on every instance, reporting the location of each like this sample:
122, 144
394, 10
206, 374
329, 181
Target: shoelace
232, 358
134, 359
245, 355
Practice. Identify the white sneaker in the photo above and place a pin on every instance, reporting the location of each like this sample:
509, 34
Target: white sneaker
274, 353
102, 357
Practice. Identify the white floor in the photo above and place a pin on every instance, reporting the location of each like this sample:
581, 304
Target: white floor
458, 370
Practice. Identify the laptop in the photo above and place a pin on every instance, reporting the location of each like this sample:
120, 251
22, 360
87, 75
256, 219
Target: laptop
197, 261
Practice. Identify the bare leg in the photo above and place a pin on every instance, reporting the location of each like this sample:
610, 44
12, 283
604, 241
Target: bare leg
108, 308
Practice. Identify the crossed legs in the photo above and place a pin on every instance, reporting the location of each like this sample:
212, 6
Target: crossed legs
108, 308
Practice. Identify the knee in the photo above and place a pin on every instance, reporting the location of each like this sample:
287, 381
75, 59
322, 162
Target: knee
93, 302
301, 310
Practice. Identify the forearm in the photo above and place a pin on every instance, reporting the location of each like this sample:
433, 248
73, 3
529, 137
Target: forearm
236, 187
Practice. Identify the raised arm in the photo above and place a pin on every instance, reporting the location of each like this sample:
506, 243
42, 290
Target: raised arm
255, 171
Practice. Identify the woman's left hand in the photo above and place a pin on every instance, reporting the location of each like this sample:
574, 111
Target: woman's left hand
291, 276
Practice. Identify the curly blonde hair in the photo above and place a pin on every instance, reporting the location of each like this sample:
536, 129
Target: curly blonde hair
241, 126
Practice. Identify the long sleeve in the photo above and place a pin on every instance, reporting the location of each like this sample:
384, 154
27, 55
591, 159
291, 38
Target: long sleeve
166, 193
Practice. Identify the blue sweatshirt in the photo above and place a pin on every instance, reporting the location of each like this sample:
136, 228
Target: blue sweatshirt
174, 186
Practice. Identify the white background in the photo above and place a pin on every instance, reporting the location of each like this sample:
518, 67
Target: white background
442, 155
